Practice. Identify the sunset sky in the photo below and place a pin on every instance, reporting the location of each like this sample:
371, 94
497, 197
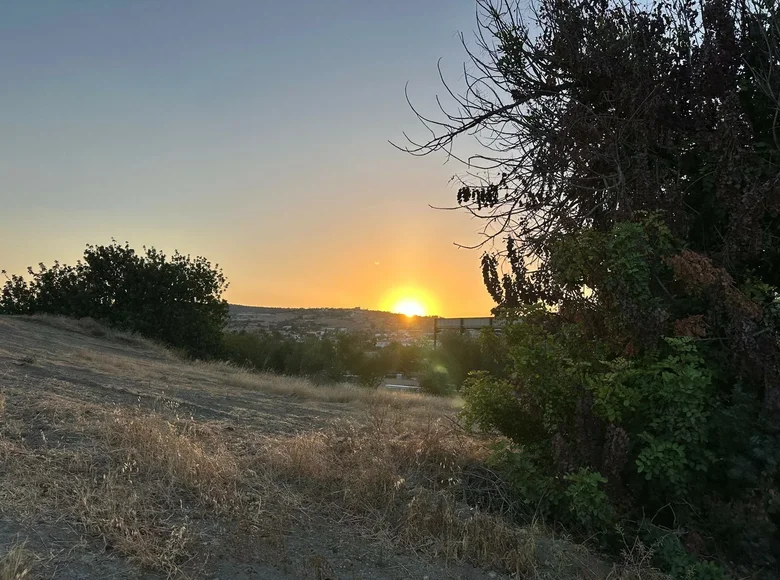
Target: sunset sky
253, 132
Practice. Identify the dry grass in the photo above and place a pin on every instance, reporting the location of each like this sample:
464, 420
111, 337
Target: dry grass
226, 374
91, 327
15, 563
340, 393
164, 492
156, 489
403, 480
179, 454
148, 487
171, 481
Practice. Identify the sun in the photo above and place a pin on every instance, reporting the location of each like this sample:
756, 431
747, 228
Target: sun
411, 300
410, 307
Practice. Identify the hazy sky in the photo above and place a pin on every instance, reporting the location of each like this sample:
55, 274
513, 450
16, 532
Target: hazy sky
249, 131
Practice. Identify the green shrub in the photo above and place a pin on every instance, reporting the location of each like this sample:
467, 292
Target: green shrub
670, 555
532, 490
492, 404
577, 500
666, 405
176, 300
588, 503
649, 429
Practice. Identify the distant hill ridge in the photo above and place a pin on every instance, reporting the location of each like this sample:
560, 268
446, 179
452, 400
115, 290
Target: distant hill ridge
312, 320
245, 309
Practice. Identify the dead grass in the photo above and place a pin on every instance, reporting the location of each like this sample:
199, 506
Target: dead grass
340, 393
157, 489
403, 480
171, 481
226, 374
163, 491
149, 487
15, 563
107, 362
91, 327
180, 454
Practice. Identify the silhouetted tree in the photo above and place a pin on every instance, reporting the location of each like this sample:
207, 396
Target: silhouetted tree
625, 160
176, 300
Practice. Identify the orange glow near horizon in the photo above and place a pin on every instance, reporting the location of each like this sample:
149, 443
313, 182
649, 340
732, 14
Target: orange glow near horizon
410, 301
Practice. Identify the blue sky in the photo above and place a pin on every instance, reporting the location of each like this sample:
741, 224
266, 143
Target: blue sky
252, 132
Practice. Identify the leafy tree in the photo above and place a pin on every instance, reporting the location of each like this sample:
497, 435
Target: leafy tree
176, 299
626, 169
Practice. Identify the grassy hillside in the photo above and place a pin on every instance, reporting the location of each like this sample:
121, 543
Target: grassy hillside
118, 459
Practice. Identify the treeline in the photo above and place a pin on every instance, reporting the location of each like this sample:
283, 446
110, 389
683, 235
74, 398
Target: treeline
354, 357
326, 359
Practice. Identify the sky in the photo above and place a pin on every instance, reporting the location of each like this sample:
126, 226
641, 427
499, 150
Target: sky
252, 132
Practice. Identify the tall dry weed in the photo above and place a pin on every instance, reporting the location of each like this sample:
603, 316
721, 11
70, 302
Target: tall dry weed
180, 454
402, 478
16, 563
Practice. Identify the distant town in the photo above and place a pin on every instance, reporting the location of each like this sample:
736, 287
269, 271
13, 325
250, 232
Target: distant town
298, 323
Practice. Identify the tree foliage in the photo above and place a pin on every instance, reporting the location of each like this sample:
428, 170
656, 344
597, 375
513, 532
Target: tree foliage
354, 356
626, 169
176, 300
325, 359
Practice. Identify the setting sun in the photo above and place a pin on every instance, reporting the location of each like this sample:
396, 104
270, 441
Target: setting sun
409, 300
410, 307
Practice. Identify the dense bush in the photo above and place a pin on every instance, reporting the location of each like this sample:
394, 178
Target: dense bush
629, 159
176, 300
606, 426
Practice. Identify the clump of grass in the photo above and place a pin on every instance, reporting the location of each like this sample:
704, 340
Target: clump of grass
163, 478
371, 460
181, 453
402, 479
102, 361
149, 487
136, 521
15, 564
169, 478
637, 562
435, 523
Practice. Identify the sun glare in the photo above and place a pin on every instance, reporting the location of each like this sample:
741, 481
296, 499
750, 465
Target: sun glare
409, 300
410, 307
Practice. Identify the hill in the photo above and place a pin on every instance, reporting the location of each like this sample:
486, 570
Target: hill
118, 459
